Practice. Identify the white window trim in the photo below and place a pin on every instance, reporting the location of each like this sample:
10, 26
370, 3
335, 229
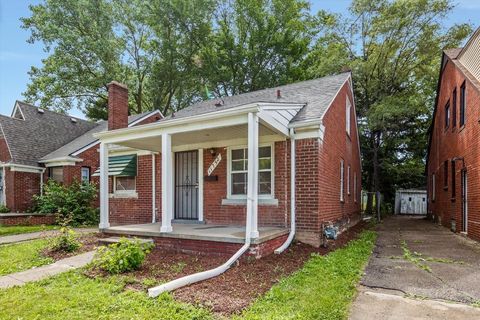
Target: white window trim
89, 173
348, 116
229, 172
355, 187
342, 173
123, 193
433, 187
348, 179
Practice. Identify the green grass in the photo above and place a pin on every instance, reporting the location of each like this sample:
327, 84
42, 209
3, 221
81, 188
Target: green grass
74, 296
22, 256
323, 289
11, 230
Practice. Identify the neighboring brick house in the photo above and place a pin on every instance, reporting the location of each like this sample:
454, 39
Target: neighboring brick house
38, 144
453, 160
211, 186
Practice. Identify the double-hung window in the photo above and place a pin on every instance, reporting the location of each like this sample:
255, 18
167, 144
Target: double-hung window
125, 184
342, 173
447, 115
463, 103
348, 114
56, 173
85, 174
239, 172
454, 108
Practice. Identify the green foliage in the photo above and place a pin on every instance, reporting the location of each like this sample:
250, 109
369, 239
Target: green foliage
23, 256
72, 204
67, 241
11, 230
394, 51
74, 296
4, 209
322, 289
124, 256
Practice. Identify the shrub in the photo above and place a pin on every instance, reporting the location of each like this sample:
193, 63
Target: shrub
126, 255
72, 203
66, 241
4, 209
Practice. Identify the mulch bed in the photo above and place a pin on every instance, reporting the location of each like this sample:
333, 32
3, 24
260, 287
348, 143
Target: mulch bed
89, 242
234, 290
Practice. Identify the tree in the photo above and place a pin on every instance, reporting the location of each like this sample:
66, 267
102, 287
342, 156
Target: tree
256, 44
395, 49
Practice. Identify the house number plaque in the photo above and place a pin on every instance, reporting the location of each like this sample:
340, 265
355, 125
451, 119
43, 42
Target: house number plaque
214, 164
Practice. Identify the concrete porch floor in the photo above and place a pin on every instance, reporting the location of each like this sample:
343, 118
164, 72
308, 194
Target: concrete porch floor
206, 232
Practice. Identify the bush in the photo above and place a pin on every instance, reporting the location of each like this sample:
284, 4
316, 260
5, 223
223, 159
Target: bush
72, 203
4, 209
126, 255
66, 241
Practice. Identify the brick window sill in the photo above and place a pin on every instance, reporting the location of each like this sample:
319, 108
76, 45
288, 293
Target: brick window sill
123, 195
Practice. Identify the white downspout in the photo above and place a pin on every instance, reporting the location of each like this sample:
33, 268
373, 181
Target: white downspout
154, 207
201, 276
292, 195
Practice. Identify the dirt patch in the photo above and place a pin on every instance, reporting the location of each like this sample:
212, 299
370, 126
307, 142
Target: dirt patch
235, 289
89, 242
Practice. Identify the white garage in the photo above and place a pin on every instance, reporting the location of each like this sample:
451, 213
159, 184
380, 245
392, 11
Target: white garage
411, 201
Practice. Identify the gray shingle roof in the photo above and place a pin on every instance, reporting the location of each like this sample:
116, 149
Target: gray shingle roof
40, 133
86, 139
317, 94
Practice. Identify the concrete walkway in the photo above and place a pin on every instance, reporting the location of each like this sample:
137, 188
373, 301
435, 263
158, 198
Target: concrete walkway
419, 270
37, 235
67, 264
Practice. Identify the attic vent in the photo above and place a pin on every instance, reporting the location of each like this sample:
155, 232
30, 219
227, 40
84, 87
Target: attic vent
40, 110
219, 103
73, 120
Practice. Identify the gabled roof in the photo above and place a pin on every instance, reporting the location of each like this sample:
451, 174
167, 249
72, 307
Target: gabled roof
87, 139
39, 132
317, 95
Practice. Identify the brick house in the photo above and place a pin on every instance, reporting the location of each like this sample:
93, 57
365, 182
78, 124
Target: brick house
453, 159
37, 144
264, 166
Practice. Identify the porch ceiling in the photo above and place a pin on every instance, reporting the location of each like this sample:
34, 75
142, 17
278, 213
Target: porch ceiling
235, 132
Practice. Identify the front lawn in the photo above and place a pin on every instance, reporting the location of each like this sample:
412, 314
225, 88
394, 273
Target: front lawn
322, 289
11, 230
23, 256
74, 296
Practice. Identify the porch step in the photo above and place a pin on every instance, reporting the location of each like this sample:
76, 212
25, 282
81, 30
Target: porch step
107, 241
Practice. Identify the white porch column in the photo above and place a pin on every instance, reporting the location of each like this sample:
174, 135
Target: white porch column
167, 183
252, 186
104, 223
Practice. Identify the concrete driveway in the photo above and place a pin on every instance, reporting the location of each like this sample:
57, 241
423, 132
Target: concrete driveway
419, 271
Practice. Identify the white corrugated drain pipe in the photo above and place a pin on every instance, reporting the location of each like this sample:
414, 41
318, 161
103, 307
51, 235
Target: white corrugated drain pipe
291, 235
197, 277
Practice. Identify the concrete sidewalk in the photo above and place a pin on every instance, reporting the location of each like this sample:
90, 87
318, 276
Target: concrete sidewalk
67, 264
40, 234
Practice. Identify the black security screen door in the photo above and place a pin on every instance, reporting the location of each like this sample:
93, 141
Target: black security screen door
186, 185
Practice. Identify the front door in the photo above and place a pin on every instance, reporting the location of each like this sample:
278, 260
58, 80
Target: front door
186, 185
464, 201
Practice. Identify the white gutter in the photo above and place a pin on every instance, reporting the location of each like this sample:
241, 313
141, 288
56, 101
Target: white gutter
292, 195
201, 276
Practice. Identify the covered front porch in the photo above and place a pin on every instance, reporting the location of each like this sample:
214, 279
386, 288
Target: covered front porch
210, 174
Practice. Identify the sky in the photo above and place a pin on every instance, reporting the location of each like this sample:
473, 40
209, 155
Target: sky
17, 56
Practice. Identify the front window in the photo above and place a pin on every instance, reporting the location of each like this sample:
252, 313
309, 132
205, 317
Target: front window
125, 184
56, 173
85, 174
239, 171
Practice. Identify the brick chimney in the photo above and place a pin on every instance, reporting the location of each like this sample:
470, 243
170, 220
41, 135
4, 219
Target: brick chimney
117, 105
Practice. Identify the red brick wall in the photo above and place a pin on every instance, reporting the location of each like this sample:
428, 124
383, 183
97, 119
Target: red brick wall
318, 173
455, 142
20, 189
27, 220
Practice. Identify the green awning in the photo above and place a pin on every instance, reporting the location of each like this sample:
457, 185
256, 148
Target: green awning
121, 166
